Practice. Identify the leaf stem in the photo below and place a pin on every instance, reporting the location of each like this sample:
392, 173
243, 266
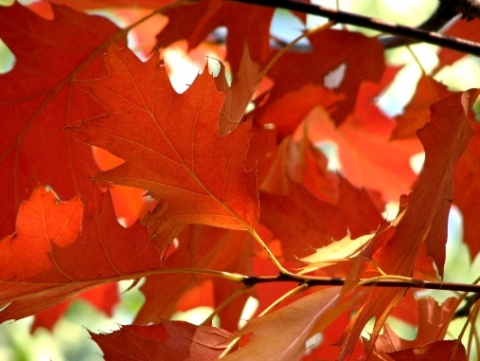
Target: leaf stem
237, 293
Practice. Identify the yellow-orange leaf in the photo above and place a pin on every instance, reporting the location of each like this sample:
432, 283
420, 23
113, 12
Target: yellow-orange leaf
335, 252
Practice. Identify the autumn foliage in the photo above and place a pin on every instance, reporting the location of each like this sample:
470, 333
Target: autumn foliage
222, 192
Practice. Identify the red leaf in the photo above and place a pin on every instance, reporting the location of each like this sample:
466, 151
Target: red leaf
36, 98
102, 4
171, 145
435, 351
466, 191
103, 298
240, 94
340, 51
47, 261
416, 113
294, 219
195, 21
204, 248
281, 335
290, 109
433, 322
368, 158
301, 163
168, 340
444, 138
463, 29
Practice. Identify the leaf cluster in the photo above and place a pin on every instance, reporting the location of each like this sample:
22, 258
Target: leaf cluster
224, 191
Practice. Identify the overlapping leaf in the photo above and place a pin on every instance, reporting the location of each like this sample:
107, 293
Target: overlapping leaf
444, 138
337, 68
294, 219
466, 191
281, 335
448, 350
167, 340
52, 257
35, 103
170, 143
462, 29
416, 113
200, 247
368, 157
249, 25
103, 297
432, 326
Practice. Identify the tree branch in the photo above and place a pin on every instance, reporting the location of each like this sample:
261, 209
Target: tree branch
448, 42
372, 282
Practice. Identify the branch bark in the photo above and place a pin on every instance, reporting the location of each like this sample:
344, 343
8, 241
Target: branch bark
373, 282
462, 45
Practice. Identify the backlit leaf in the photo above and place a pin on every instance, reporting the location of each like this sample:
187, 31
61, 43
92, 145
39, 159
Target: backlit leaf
170, 143
167, 340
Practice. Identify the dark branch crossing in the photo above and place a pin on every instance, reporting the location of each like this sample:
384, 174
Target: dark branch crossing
388, 283
415, 34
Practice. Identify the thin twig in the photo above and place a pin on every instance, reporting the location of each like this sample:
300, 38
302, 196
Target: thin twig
382, 281
462, 45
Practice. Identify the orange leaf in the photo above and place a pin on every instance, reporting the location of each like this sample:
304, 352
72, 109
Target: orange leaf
36, 98
367, 156
281, 335
294, 219
416, 113
304, 164
168, 340
48, 261
433, 322
341, 70
171, 145
250, 25
103, 297
205, 248
463, 29
444, 138
239, 95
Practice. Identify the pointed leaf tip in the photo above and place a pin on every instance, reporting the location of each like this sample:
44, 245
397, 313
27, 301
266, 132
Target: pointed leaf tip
171, 145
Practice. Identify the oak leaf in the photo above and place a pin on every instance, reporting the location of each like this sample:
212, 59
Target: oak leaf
195, 21
367, 156
170, 143
302, 163
336, 63
200, 247
424, 219
466, 191
53, 257
433, 322
103, 298
167, 340
443, 350
335, 252
36, 103
416, 113
294, 218
462, 29
281, 335
239, 94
